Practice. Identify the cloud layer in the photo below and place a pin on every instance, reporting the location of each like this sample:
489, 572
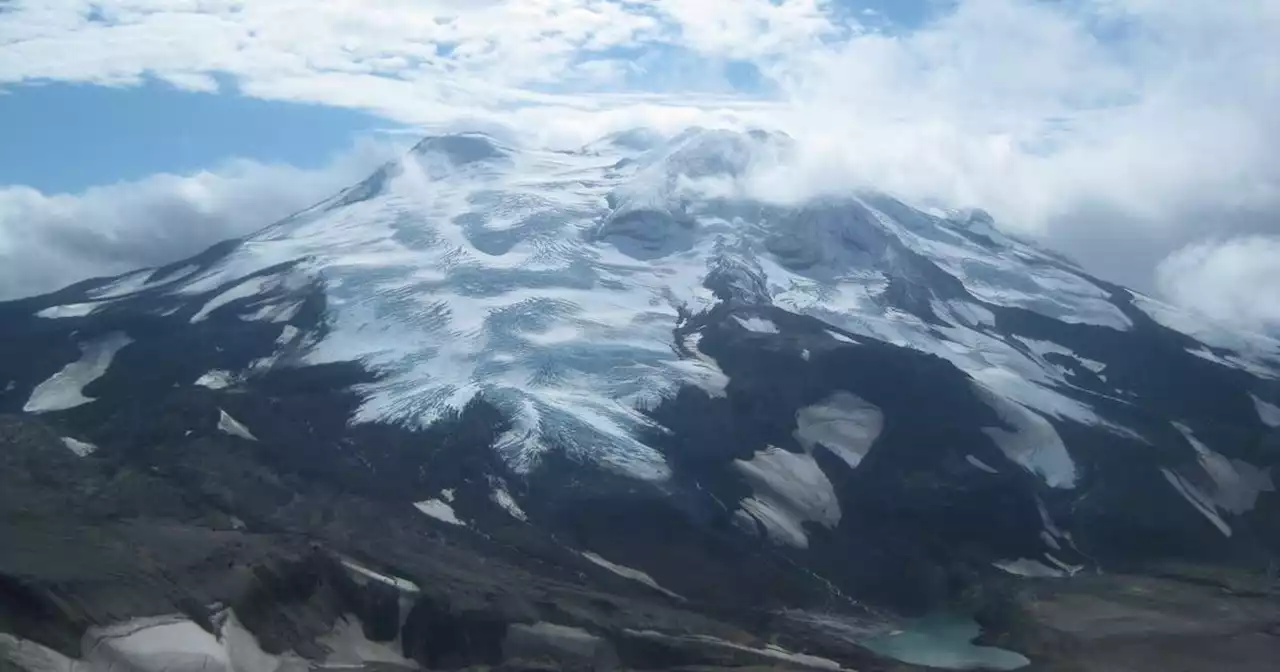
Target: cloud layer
1234, 281
1119, 131
48, 241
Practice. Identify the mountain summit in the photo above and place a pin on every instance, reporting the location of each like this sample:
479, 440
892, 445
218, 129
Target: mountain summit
621, 362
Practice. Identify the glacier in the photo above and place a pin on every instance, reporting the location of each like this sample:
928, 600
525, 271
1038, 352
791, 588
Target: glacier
550, 282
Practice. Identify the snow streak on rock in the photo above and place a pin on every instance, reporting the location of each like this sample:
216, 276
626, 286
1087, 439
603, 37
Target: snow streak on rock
65, 388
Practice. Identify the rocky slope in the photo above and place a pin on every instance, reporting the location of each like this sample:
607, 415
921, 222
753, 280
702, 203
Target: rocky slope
496, 405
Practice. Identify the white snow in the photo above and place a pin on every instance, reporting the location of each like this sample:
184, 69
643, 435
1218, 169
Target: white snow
68, 310
246, 288
439, 510
758, 325
971, 314
160, 644
403, 585
1030, 568
80, 448
229, 425
981, 465
246, 654
703, 371
629, 573
1223, 485
1269, 414
517, 279
789, 489
1042, 348
841, 337
64, 389
842, 423
1032, 443
216, 379
502, 498
1198, 499
34, 657
274, 311
1067, 569
1053, 534
128, 283
288, 334
176, 644
1257, 353
349, 648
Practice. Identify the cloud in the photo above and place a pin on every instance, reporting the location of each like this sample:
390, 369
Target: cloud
50, 240
1118, 131
1235, 281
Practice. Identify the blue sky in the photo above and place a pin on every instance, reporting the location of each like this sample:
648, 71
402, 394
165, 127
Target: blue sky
1135, 136
60, 137
68, 136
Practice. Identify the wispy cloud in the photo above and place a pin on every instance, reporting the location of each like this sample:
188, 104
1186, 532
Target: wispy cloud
1236, 281
1117, 130
50, 240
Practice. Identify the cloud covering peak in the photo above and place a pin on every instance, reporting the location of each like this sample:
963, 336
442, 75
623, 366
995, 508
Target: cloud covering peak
1118, 131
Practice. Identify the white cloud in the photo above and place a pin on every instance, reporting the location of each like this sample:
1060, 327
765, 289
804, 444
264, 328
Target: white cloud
1116, 130
50, 240
1234, 281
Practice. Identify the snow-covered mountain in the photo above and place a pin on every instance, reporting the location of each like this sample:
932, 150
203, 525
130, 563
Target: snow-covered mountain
624, 353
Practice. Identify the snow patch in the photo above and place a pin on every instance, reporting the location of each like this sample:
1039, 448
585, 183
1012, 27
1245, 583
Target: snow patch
502, 498
1269, 414
350, 648
287, 335
842, 338
842, 423
439, 510
1043, 348
68, 310
1223, 485
629, 573
981, 465
1197, 498
216, 379
1030, 569
1032, 443
246, 288
403, 585
231, 426
64, 389
789, 489
758, 325
155, 644
173, 644
971, 314
80, 448
34, 657
1067, 569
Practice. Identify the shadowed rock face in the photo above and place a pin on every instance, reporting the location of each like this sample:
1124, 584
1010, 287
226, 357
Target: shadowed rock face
447, 419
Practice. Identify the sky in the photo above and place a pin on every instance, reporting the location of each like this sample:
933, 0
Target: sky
1137, 136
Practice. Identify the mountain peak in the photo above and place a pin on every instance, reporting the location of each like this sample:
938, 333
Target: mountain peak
629, 319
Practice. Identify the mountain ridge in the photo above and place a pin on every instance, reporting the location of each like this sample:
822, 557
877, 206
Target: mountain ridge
620, 354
